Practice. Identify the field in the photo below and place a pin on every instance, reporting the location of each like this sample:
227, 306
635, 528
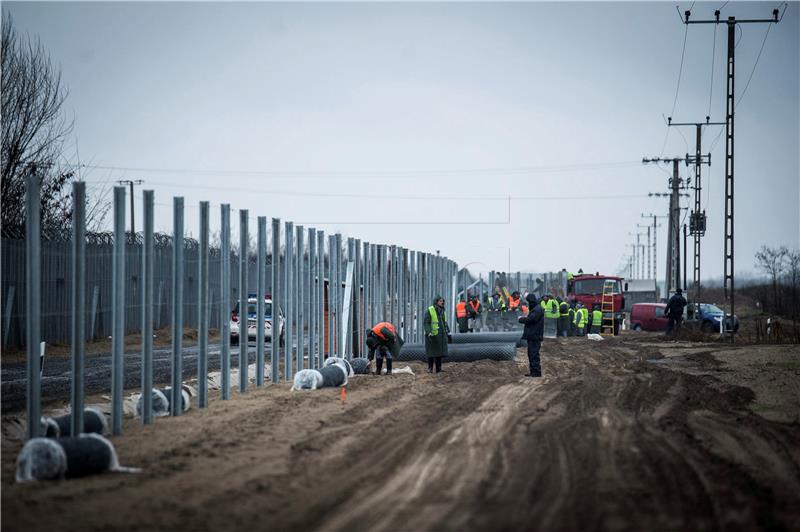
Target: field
630, 433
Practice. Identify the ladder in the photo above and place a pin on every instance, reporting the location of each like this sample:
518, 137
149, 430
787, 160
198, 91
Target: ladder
607, 308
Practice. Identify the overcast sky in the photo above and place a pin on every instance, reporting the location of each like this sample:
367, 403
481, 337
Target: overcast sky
450, 108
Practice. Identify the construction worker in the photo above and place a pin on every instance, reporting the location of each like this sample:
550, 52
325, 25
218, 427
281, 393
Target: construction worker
581, 317
563, 317
474, 310
674, 312
492, 308
437, 334
461, 316
551, 314
383, 342
534, 333
571, 320
597, 320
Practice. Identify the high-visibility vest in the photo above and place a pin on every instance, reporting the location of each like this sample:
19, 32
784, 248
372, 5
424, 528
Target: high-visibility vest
384, 324
553, 308
570, 276
597, 318
571, 314
461, 310
580, 317
564, 307
513, 304
476, 307
435, 320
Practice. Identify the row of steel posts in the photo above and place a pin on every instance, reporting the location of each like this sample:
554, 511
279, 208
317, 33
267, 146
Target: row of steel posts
386, 283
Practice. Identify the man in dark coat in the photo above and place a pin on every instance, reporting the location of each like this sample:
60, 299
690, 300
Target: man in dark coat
437, 334
534, 333
674, 311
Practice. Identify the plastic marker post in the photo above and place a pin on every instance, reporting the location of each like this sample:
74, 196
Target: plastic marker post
344, 395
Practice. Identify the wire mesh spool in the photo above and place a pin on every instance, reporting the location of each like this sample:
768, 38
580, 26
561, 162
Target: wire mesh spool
332, 376
93, 421
463, 352
488, 337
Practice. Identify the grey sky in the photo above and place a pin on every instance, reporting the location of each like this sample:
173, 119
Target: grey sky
428, 100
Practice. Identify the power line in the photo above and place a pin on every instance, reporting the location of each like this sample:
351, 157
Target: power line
746, 85
677, 88
713, 56
371, 174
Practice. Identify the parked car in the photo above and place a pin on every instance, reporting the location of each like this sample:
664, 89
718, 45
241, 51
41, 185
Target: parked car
648, 317
252, 330
708, 317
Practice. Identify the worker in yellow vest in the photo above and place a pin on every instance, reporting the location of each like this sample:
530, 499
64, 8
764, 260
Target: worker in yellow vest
597, 320
437, 334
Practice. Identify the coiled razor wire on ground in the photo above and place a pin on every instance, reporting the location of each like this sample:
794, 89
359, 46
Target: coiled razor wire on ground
463, 352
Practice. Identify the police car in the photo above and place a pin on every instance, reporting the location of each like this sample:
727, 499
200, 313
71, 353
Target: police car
252, 324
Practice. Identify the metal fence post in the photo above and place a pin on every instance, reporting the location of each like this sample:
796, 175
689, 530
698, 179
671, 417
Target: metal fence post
118, 312
78, 302
225, 300
33, 315
260, 295
147, 308
321, 297
312, 298
202, 311
331, 294
244, 314
277, 307
298, 283
289, 259
176, 400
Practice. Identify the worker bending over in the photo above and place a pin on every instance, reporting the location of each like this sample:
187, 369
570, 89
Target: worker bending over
383, 342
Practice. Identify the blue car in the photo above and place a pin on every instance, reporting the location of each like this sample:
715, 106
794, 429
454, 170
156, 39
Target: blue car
709, 316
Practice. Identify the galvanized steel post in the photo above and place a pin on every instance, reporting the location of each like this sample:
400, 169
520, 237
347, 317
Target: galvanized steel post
177, 307
148, 260
118, 312
225, 300
33, 296
202, 308
277, 306
261, 292
244, 314
287, 289
299, 282
312, 297
78, 303
321, 298
331, 294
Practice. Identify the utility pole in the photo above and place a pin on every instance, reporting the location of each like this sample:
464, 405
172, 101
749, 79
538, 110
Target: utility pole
673, 273
131, 184
633, 264
649, 270
637, 252
655, 242
730, 104
697, 219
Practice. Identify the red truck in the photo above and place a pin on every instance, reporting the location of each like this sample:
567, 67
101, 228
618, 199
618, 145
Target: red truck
588, 290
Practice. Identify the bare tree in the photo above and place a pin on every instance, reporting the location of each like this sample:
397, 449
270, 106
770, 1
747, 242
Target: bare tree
772, 261
34, 130
793, 276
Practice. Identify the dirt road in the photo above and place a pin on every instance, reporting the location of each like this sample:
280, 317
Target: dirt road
629, 433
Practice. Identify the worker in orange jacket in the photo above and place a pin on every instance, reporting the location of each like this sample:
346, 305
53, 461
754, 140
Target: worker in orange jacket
383, 342
462, 318
474, 310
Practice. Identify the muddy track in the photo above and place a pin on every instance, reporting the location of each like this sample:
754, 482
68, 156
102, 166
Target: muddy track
607, 440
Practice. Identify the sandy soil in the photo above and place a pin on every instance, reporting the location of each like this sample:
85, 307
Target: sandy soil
629, 433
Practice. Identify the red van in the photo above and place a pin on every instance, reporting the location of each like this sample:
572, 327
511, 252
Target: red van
648, 317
